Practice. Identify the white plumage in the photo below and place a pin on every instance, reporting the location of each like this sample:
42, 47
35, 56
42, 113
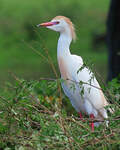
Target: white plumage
84, 98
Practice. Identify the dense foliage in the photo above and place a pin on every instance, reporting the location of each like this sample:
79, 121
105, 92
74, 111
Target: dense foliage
33, 115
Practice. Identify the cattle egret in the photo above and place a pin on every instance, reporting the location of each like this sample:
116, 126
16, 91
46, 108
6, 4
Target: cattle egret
84, 97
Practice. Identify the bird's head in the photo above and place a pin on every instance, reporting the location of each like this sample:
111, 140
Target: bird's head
60, 24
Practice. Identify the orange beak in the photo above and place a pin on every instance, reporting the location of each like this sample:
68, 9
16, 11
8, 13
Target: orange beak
46, 24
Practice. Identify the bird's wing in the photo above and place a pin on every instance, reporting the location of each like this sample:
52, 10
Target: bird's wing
91, 86
71, 96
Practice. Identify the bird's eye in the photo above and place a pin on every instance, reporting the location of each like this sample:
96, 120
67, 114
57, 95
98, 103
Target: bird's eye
57, 22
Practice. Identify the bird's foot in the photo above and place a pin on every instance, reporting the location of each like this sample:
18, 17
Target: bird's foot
81, 117
80, 114
92, 123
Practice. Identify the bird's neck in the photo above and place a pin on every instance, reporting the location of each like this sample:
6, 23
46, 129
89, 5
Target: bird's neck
63, 45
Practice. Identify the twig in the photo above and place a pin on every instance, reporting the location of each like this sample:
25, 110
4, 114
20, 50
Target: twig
32, 96
36, 51
81, 125
49, 58
54, 79
96, 120
52, 65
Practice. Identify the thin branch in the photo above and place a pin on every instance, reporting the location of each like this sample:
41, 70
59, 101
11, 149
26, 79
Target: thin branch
36, 51
54, 79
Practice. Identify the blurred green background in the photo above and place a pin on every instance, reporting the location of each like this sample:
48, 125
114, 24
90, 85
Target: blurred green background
18, 32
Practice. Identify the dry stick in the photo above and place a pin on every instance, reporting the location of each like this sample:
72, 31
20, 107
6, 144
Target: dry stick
66, 133
4, 99
53, 79
36, 51
96, 140
53, 67
59, 87
17, 79
61, 121
49, 61
62, 125
49, 58
9, 110
41, 111
96, 120
81, 125
74, 119
46, 137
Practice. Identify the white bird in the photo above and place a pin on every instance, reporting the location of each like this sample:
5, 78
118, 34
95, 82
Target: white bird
84, 98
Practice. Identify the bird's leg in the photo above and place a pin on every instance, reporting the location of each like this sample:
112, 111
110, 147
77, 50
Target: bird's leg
80, 114
92, 123
81, 117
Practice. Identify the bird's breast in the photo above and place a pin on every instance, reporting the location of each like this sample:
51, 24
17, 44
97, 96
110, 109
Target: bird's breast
64, 68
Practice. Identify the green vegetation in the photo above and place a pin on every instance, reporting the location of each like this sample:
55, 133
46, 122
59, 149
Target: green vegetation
33, 117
